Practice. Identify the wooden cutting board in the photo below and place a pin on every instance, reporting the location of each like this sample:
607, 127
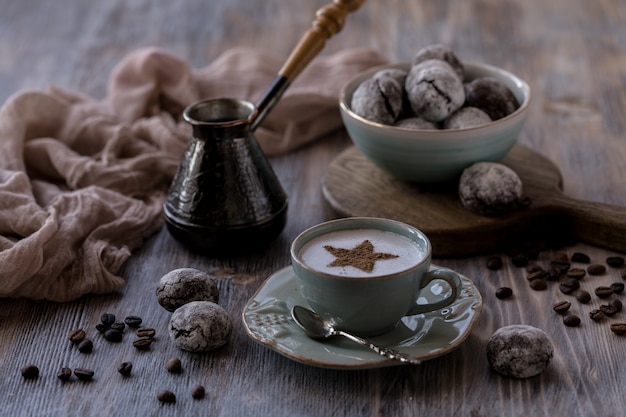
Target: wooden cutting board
354, 186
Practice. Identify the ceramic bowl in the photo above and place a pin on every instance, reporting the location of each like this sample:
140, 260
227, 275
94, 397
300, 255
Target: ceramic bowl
430, 156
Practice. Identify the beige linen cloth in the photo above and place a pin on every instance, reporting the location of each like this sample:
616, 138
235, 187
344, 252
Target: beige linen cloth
82, 180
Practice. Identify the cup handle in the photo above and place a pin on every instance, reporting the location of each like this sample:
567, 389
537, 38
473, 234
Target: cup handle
447, 275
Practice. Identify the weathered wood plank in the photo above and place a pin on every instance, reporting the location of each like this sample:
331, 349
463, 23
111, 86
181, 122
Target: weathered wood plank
570, 51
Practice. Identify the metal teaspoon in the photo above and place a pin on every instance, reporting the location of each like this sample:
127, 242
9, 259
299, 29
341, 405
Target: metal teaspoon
317, 328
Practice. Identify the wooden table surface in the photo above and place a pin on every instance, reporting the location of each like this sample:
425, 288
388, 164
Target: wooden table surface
572, 53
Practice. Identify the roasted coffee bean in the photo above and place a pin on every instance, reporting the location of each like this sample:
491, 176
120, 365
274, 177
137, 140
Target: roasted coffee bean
561, 307
617, 287
583, 296
616, 304
520, 260
107, 319
101, 328
604, 292
559, 257
143, 343
618, 328
30, 372
166, 396
538, 284
112, 335
173, 365
64, 374
83, 374
580, 257
615, 261
553, 274
118, 326
571, 320
596, 269
608, 310
536, 275
596, 315
76, 336
534, 268
198, 392
504, 292
569, 285
133, 321
125, 368
145, 332
577, 273
86, 346
623, 273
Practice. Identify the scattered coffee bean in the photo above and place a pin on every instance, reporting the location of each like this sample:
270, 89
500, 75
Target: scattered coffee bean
569, 285
101, 328
580, 257
145, 332
173, 365
166, 396
30, 372
519, 260
83, 374
553, 274
559, 257
616, 304
198, 392
561, 307
112, 335
618, 328
596, 269
608, 310
118, 326
596, 315
536, 275
615, 261
504, 292
86, 346
143, 343
603, 292
534, 268
133, 321
64, 374
577, 273
617, 287
125, 368
583, 296
107, 319
571, 320
538, 284
76, 336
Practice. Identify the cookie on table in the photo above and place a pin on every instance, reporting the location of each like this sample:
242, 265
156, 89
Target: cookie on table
519, 351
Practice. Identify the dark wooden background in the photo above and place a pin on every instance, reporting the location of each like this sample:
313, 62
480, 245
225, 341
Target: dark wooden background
572, 53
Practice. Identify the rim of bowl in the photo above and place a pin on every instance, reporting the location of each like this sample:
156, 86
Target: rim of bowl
357, 79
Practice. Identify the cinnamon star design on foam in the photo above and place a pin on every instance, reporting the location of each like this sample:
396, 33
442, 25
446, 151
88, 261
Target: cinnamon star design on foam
361, 256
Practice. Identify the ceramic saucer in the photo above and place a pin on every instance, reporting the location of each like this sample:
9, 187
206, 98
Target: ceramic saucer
267, 318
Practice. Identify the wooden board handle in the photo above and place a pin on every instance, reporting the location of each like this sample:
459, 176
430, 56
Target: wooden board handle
329, 21
599, 224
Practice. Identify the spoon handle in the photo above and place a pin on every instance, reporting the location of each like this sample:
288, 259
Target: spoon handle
329, 20
384, 351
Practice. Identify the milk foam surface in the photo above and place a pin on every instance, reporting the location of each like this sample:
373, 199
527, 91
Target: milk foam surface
317, 257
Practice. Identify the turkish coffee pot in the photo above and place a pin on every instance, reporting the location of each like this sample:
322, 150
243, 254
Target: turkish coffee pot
225, 195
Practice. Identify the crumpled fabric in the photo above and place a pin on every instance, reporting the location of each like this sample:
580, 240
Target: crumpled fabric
82, 180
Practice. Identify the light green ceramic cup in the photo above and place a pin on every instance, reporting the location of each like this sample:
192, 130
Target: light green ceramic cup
371, 305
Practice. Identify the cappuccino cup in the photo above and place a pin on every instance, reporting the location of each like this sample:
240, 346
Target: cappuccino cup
365, 274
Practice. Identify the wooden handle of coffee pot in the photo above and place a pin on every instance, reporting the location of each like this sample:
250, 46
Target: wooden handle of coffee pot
329, 21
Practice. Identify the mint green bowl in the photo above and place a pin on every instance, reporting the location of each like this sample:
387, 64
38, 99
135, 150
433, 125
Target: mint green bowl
430, 156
